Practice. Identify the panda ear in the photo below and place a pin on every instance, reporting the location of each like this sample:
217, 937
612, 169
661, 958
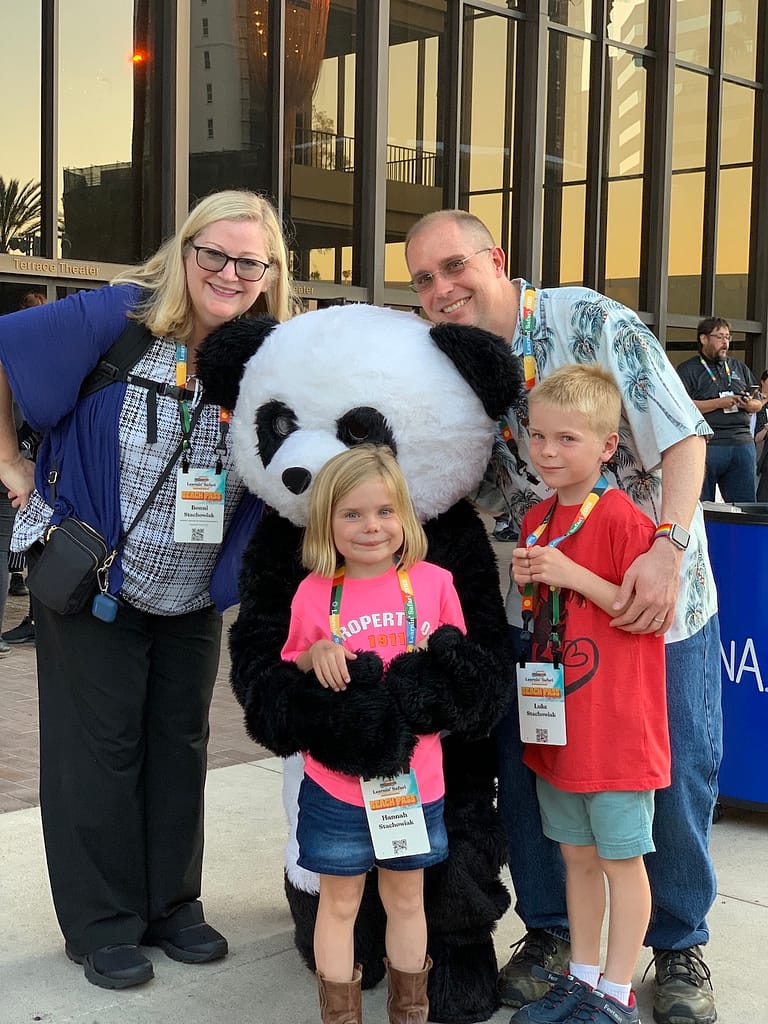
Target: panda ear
222, 356
485, 361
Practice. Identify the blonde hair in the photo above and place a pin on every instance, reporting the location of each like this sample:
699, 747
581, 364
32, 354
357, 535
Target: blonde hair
336, 479
471, 225
167, 310
589, 390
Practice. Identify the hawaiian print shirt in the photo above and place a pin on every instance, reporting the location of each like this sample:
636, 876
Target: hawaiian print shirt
578, 325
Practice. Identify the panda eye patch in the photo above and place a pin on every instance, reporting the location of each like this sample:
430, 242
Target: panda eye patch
274, 422
282, 425
364, 425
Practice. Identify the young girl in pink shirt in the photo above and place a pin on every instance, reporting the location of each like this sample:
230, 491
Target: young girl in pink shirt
369, 589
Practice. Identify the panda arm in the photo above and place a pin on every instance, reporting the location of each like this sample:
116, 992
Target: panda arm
359, 731
460, 682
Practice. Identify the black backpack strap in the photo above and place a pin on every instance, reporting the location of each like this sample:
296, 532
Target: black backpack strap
116, 365
121, 357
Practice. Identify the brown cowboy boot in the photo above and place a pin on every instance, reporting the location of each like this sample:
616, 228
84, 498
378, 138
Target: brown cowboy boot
407, 1001
341, 1001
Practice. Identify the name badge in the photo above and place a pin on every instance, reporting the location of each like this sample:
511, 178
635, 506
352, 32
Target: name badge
541, 703
731, 408
395, 816
199, 506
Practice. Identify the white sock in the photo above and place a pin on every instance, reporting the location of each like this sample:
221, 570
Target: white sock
588, 973
618, 992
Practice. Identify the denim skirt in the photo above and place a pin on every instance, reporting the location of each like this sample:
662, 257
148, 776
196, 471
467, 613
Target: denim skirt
334, 838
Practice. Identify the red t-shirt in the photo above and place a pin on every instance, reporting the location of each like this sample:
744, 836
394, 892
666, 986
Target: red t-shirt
372, 618
615, 684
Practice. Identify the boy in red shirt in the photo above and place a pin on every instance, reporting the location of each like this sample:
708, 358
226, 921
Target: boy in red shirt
596, 790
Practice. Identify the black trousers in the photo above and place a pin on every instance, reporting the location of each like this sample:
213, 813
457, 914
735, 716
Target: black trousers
123, 739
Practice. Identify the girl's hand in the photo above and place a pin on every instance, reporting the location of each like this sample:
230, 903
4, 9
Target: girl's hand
543, 565
329, 663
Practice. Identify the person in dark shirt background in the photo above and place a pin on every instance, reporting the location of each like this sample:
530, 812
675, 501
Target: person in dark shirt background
720, 388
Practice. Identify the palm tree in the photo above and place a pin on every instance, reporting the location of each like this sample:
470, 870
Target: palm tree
19, 211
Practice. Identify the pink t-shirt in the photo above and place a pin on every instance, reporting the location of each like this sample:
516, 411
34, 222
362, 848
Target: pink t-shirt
372, 618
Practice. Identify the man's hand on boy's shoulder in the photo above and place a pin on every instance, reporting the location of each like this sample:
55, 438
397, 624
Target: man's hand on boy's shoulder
648, 594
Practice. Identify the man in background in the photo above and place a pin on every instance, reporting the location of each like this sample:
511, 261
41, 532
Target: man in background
726, 394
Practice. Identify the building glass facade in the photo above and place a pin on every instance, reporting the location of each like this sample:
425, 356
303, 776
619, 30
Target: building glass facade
619, 144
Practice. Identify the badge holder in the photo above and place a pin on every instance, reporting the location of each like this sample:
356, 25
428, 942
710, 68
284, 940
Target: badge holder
395, 816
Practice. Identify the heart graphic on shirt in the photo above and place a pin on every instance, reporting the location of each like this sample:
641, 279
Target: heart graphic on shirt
580, 656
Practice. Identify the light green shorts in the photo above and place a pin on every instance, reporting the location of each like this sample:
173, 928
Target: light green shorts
618, 822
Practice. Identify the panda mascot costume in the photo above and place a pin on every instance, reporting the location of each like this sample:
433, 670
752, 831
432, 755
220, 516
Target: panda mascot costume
301, 392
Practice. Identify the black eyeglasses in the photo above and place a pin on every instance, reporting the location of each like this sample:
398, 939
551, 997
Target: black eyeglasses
453, 268
247, 269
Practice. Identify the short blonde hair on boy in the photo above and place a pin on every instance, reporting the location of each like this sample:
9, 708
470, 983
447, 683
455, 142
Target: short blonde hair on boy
336, 479
589, 390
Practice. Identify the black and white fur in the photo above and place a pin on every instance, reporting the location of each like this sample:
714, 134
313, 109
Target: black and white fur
301, 392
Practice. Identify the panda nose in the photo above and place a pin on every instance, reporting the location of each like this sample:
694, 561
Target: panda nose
297, 479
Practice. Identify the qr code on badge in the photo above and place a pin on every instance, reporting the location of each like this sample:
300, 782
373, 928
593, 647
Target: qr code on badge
542, 735
198, 534
399, 846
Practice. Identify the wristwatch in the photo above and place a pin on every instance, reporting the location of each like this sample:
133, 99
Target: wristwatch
675, 533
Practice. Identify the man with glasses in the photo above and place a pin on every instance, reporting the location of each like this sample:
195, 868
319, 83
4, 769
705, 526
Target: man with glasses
724, 391
459, 274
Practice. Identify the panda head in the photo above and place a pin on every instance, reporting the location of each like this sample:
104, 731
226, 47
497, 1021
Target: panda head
304, 390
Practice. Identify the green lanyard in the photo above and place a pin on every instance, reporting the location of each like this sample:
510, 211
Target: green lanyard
528, 592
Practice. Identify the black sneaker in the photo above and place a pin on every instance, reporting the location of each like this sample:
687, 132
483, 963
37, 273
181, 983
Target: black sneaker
18, 587
24, 633
4, 647
517, 986
683, 987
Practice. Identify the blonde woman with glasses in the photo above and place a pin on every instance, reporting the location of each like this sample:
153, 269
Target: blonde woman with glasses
125, 684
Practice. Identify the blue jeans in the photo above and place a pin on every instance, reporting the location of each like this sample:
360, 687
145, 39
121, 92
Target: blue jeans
734, 469
681, 872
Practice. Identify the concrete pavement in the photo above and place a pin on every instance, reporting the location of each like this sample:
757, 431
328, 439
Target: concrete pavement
263, 980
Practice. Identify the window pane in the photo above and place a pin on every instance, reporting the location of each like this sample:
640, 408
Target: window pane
487, 106
489, 209
572, 235
229, 138
567, 119
689, 136
20, 128
565, 12
103, 151
628, 22
693, 20
487, 101
622, 242
737, 124
740, 33
733, 231
319, 113
416, 125
686, 235
627, 112
567, 115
